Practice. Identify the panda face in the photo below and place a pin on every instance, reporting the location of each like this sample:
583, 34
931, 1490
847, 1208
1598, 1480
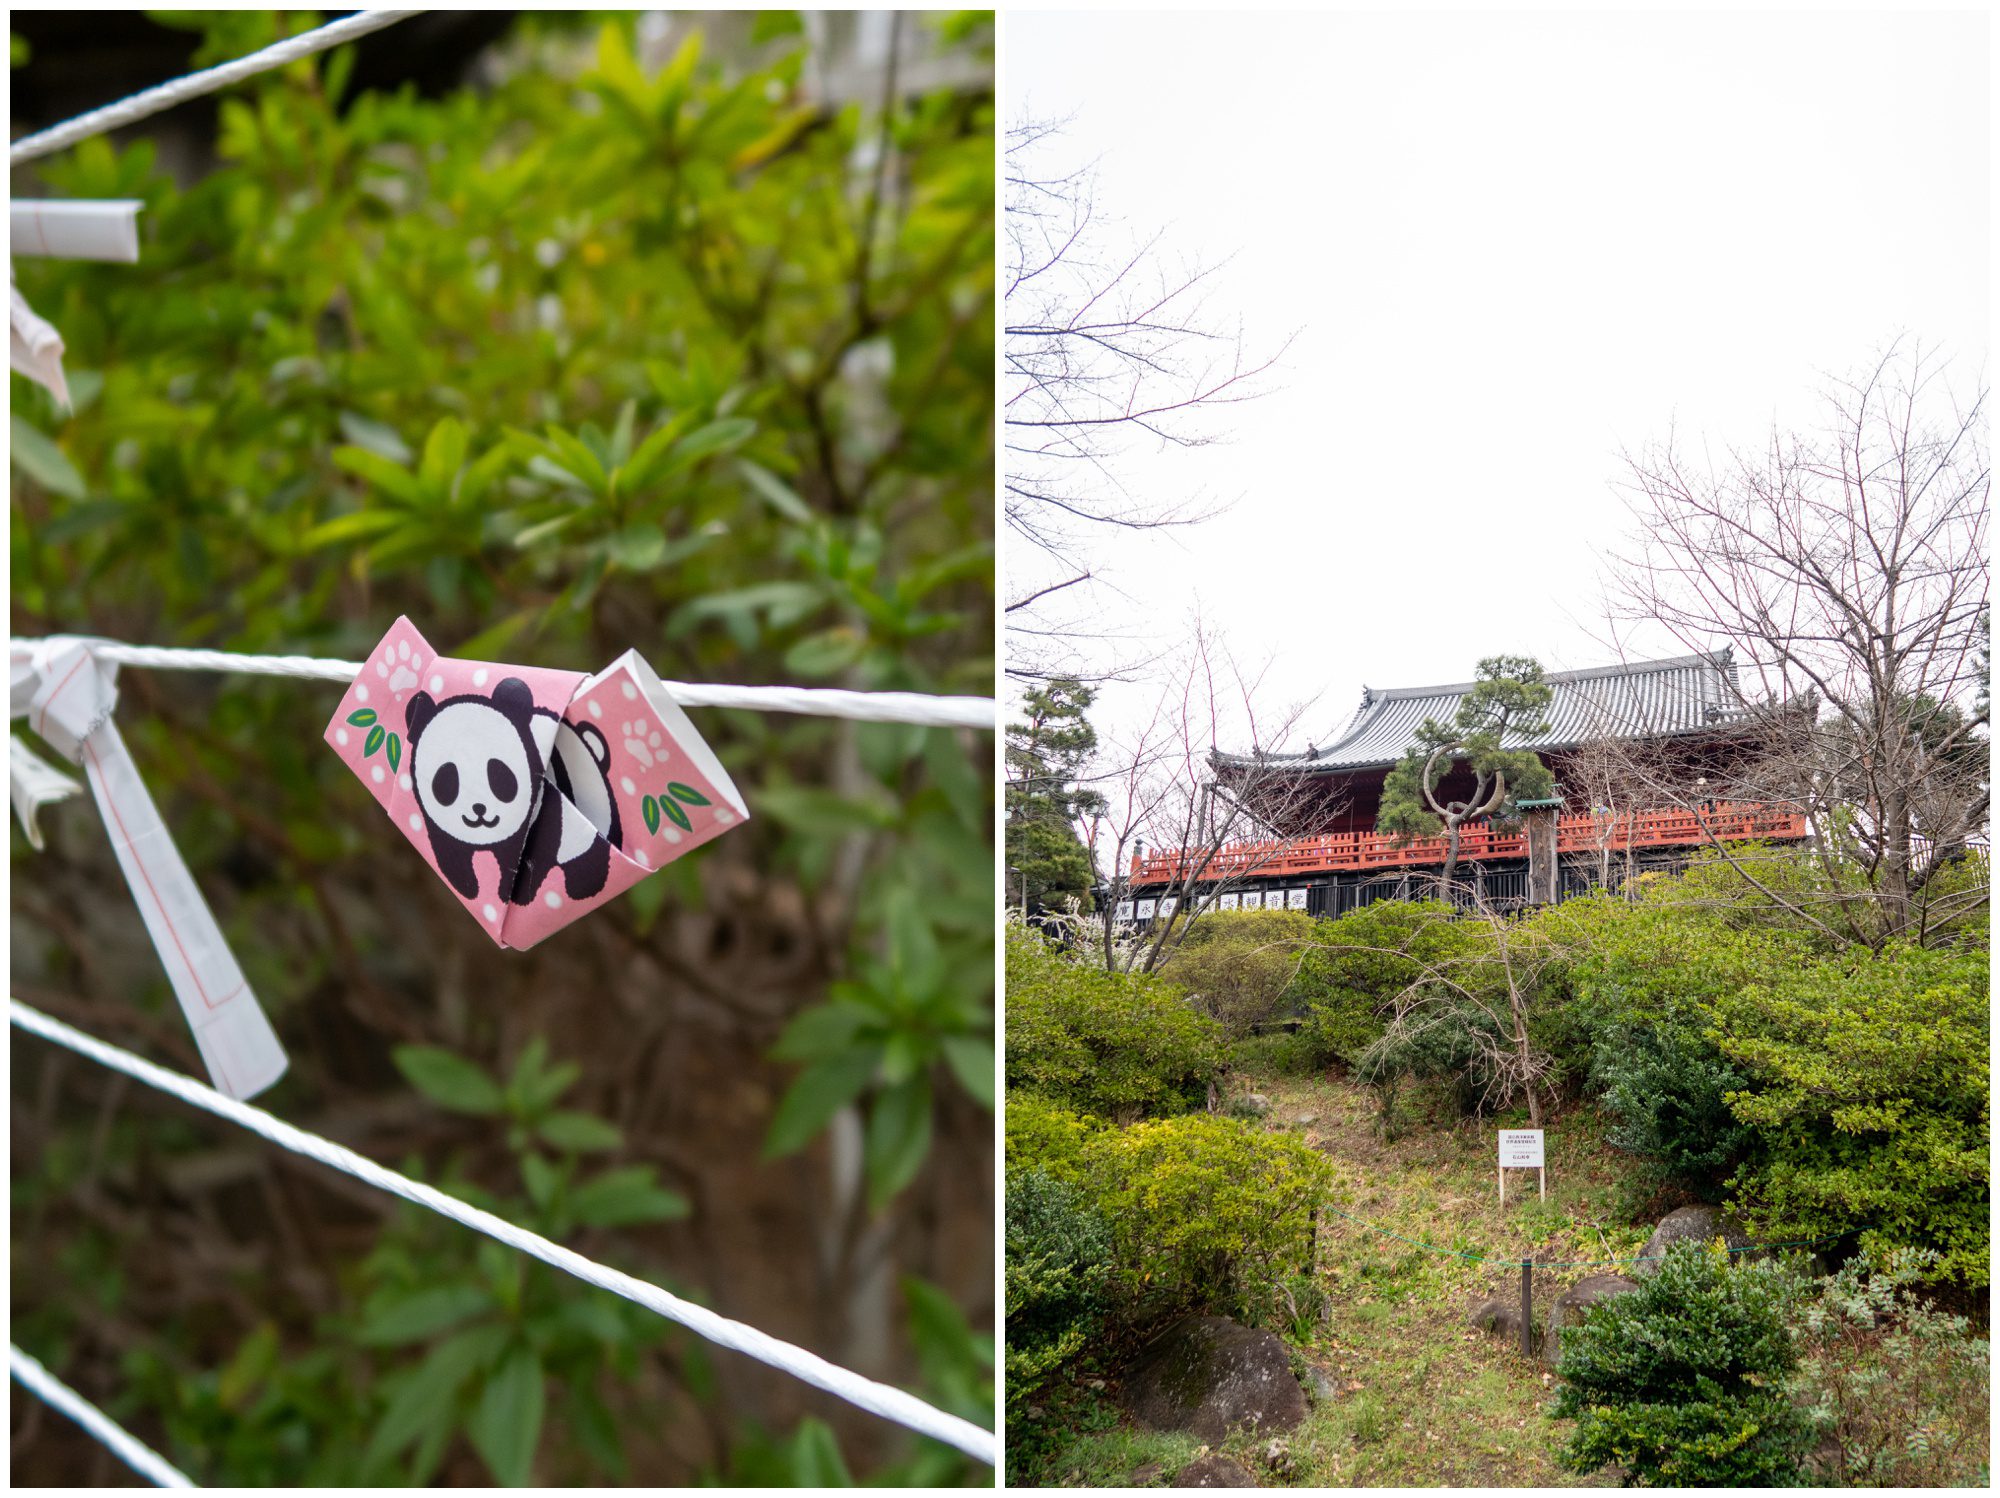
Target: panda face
473, 773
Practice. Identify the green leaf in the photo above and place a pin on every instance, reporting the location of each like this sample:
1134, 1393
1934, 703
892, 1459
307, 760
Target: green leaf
704, 441
506, 1425
413, 1318
672, 809
650, 809
355, 526
361, 717
580, 1132
444, 454
395, 751
624, 1198
821, 1030
971, 1060
816, 1460
687, 793
541, 1177
776, 492
827, 652
639, 547
36, 455
376, 737
899, 1136
448, 1079
391, 478
375, 436
819, 1092
423, 1401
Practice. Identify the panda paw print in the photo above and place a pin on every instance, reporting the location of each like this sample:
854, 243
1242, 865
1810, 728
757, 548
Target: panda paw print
642, 744
401, 666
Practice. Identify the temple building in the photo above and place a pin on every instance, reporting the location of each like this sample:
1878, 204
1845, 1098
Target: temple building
1617, 736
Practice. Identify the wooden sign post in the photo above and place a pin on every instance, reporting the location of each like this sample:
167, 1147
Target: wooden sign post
1521, 1149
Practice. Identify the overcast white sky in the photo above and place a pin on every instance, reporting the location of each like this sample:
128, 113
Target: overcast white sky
1512, 244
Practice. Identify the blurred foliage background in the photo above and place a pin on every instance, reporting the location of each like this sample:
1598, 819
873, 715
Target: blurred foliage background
627, 343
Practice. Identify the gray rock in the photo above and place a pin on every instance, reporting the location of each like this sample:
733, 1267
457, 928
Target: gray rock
1209, 1375
1569, 1307
1213, 1472
1254, 1103
1321, 1385
1690, 1225
1278, 1457
1145, 1476
1500, 1315
1306, 1120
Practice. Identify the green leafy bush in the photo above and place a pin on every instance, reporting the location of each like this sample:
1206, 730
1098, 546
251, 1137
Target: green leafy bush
1684, 1382
1237, 965
1897, 1390
1868, 1091
1047, 1137
1116, 1044
1670, 1088
1058, 1275
1205, 1209
1361, 961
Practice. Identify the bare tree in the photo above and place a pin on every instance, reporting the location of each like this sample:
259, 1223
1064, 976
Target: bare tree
1847, 568
1160, 793
1108, 345
1469, 1015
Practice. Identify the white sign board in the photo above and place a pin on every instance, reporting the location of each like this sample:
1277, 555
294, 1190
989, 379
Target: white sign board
1145, 910
1521, 1149
1124, 912
1295, 899
1253, 899
1167, 906
1226, 902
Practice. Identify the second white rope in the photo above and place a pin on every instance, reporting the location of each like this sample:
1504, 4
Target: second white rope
127, 1447
864, 1393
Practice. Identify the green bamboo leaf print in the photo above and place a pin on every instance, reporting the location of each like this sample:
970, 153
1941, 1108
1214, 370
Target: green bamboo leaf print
361, 717
677, 814
375, 737
651, 809
686, 793
395, 751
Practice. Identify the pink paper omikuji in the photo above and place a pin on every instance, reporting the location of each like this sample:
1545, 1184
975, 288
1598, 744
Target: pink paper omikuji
536, 795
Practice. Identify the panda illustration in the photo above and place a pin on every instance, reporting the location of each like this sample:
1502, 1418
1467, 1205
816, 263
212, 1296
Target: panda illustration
576, 830
477, 775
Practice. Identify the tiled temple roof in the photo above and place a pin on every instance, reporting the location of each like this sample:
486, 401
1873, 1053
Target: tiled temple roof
1641, 699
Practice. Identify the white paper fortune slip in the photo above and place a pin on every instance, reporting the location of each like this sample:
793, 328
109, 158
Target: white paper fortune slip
66, 231
67, 696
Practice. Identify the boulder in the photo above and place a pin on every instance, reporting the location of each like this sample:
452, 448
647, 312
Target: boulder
1500, 1315
1570, 1304
1209, 1375
1689, 1224
1306, 1120
1213, 1471
1255, 1104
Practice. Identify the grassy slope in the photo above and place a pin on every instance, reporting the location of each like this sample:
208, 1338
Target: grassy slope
1425, 1399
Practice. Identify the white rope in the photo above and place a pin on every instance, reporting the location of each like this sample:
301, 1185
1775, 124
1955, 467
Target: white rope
166, 95
824, 702
141, 1458
879, 1399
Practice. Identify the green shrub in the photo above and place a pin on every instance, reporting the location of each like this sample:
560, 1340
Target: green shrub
1361, 961
1058, 1273
1670, 1087
1898, 1391
1118, 1044
1207, 1210
1239, 965
1683, 1381
1868, 1087
1047, 1137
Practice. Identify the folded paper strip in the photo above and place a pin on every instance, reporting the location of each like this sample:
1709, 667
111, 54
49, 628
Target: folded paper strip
536, 795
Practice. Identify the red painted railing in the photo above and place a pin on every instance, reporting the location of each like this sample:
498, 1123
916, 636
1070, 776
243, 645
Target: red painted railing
1574, 834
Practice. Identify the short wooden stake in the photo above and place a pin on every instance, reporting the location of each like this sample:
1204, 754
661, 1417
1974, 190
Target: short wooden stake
1542, 1181
1527, 1309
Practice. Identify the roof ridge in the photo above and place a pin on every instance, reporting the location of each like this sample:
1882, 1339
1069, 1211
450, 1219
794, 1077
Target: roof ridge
1720, 659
